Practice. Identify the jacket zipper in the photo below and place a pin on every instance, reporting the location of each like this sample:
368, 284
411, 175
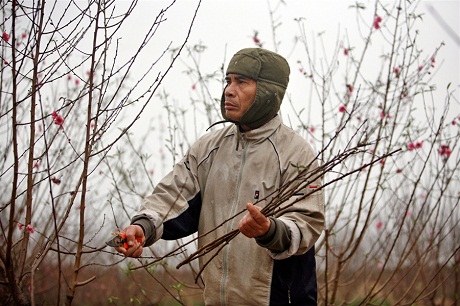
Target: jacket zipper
230, 224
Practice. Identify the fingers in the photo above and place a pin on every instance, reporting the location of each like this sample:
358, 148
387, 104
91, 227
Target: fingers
134, 235
254, 223
135, 239
255, 213
134, 251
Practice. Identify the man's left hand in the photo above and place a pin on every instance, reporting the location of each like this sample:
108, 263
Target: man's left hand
254, 223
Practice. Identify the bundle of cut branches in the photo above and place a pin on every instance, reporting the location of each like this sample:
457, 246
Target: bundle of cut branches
279, 201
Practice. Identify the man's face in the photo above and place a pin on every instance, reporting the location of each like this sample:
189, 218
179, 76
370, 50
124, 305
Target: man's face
239, 95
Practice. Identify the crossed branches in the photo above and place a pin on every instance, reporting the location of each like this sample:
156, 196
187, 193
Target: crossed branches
279, 200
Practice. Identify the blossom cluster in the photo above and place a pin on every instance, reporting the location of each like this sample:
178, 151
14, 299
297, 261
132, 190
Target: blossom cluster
58, 119
377, 21
5, 36
414, 145
444, 151
29, 228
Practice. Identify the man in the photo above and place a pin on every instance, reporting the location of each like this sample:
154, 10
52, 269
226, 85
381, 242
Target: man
225, 171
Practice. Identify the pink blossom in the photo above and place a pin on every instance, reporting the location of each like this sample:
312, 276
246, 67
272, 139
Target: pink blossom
30, 229
5, 36
399, 170
69, 77
77, 81
444, 151
414, 145
54, 114
379, 225
37, 165
380, 265
349, 90
420, 68
24, 35
20, 226
312, 129
256, 40
345, 51
193, 87
383, 115
59, 120
55, 180
377, 21
342, 108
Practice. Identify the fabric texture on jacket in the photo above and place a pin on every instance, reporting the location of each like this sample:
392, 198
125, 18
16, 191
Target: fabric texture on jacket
212, 183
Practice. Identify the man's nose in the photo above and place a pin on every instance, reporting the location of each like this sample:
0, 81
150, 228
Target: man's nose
229, 90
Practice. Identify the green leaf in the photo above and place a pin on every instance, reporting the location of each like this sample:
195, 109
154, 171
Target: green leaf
112, 298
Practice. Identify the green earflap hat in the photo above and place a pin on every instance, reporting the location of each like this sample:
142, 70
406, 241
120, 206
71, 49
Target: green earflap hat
271, 71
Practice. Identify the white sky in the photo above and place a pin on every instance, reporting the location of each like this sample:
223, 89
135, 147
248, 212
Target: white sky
225, 27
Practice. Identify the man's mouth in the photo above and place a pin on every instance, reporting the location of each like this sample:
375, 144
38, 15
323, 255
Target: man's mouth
230, 105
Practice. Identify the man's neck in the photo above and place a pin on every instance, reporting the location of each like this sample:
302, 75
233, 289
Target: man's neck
244, 128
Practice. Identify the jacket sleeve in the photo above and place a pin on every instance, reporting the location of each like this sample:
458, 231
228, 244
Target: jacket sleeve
172, 211
304, 216
278, 237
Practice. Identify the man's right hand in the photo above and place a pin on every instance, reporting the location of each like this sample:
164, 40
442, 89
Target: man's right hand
134, 234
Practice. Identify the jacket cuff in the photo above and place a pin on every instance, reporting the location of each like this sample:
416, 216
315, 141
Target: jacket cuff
148, 227
278, 237
294, 244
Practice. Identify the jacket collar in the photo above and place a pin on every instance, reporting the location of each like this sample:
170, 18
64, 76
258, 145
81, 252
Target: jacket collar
259, 134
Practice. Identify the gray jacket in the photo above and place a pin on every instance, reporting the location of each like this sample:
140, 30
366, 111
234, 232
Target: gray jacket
212, 183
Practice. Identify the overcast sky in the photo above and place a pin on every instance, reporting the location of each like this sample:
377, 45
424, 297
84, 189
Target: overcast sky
226, 26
